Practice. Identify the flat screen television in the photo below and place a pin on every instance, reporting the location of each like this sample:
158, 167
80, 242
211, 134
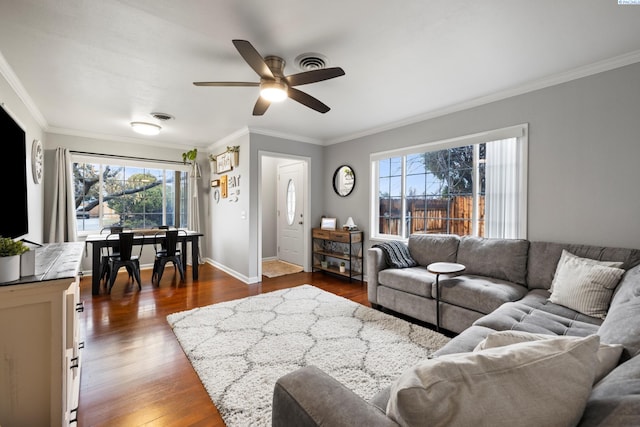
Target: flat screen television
13, 178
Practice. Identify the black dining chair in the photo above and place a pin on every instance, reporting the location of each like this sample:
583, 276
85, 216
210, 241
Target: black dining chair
106, 252
125, 258
165, 244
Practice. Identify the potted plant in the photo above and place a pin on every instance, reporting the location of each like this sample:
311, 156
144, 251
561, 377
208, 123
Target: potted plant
10, 252
342, 267
190, 158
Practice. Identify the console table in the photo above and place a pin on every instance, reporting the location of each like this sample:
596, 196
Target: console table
332, 247
40, 342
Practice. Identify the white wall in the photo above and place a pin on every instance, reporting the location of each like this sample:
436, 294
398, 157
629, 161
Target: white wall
584, 149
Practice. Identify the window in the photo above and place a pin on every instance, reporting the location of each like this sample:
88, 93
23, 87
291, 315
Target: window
112, 191
472, 185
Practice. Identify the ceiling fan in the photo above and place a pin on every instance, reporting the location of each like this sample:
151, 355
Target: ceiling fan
274, 85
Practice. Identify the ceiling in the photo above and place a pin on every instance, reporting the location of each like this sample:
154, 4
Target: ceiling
90, 67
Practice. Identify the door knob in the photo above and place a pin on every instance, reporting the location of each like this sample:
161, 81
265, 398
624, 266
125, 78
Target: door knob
300, 222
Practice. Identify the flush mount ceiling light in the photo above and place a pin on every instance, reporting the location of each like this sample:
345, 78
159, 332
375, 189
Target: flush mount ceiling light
145, 128
273, 91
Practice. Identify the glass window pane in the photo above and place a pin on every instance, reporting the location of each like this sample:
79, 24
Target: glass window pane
291, 202
415, 185
395, 186
416, 164
395, 166
133, 196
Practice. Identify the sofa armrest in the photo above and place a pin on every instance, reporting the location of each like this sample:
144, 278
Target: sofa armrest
375, 264
310, 397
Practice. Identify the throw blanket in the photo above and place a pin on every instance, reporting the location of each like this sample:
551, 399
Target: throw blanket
396, 254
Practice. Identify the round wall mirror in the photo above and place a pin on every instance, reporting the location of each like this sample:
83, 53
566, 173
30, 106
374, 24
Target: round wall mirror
344, 180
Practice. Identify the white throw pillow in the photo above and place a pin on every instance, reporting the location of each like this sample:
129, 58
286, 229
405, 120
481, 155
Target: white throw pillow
608, 354
584, 285
535, 383
566, 255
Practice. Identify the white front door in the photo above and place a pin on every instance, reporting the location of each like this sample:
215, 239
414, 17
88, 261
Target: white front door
291, 204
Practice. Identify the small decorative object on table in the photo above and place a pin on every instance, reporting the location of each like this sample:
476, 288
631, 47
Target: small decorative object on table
349, 225
342, 267
328, 223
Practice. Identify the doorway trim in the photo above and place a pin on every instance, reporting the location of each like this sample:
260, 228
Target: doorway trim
306, 226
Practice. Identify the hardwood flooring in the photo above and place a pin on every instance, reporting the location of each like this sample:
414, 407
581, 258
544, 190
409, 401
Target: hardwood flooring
134, 372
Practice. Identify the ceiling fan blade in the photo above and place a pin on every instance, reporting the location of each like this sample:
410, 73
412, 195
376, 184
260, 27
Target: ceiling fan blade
313, 76
253, 58
252, 84
261, 106
307, 100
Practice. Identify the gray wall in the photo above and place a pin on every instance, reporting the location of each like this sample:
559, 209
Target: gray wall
584, 145
35, 192
234, 226
584, 148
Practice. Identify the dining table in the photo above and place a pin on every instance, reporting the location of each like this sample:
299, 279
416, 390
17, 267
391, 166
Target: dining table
142, 237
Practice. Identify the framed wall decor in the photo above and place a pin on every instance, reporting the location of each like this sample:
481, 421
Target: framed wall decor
328, 224
224, 162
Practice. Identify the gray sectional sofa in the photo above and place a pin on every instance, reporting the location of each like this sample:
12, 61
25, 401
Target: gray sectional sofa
505, 287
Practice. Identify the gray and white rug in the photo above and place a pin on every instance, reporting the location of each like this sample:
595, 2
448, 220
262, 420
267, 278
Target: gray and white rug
240, 348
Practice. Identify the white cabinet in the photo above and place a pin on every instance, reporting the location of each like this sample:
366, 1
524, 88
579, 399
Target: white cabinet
40, 343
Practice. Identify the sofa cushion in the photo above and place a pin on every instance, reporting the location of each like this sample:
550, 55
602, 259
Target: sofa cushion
628, 288
496, 385
535, 313
413, 280
608, 354
615, 401
504, 259
622, 327
428, 248
543, 259
585, 285
478, 293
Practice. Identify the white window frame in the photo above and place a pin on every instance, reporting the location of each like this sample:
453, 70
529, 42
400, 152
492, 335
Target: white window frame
520, 132
141, 163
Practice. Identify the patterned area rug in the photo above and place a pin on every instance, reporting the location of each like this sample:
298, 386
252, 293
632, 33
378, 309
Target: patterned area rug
240, 348
275, 268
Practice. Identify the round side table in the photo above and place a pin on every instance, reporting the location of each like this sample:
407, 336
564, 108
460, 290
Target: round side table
439, 268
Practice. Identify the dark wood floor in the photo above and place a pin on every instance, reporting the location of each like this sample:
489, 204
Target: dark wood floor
134, 372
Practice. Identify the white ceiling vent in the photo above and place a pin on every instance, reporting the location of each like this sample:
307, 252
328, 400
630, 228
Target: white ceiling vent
311, 61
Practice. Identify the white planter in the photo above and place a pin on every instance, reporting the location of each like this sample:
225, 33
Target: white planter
9, 268
342, 269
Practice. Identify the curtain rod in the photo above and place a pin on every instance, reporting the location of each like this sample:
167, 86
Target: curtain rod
116, 156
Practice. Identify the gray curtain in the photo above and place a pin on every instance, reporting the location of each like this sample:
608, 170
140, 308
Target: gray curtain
62, 227
194, 203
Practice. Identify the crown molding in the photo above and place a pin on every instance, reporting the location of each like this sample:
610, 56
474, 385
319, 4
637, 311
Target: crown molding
21, 92
556, 79
283, 135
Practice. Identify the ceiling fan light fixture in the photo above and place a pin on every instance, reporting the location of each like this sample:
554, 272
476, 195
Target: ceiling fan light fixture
145, 128
273, 91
